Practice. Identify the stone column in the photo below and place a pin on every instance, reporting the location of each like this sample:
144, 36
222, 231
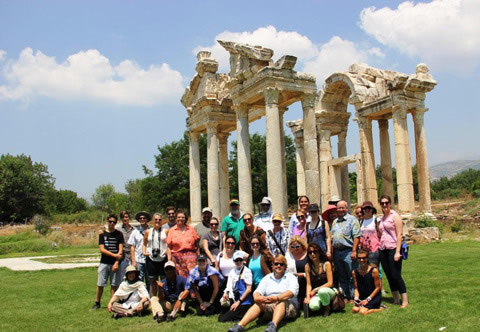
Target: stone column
213, 184
223, 174
360, 191
284, 161
325, 155
342, 152
195, 184
274, 151
312, 177
243, 159
423, 173
386, 159
368, 162
300, 159
406, 202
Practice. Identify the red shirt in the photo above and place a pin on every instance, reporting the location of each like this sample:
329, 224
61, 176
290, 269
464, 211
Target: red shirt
186, 240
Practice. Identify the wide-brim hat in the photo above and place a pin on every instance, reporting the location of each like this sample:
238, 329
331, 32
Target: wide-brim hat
143, 214
334, 200
278, 216
369, 204
131, 268
327, 211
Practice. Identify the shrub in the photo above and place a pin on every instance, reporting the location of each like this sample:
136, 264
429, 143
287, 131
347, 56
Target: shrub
425, 221
456, 227
41, 224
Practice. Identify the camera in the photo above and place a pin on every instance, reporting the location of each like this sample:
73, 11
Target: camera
155, 252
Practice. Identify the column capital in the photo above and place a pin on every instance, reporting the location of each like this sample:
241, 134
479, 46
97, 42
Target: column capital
418, 115
342, 136
212, 127
241, 110
309, 99
399, 112
194, 135
271, 95
223, 138
364, 122
324, 134
383, 124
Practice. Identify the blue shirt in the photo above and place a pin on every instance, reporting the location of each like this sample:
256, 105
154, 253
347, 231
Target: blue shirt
344, 230
172, 290
256, 268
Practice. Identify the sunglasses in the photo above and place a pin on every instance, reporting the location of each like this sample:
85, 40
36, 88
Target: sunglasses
312, 252
367, 208
214, 224
276, 221
112, 221
201, 261
247, 219
142, 218
254, 244
295, 247
171, 214
361, 258
300, 217
231, 243
384, 203
278, 264
158, 219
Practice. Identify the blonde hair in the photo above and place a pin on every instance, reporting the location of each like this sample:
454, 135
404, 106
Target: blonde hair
281, 258
298, 239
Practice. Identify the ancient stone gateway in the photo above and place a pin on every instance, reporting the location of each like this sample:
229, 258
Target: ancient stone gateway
256, 86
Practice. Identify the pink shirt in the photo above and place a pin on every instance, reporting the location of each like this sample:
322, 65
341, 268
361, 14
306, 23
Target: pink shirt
182, 241
389, 234
369, 239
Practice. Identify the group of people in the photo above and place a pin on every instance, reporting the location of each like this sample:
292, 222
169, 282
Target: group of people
246, 266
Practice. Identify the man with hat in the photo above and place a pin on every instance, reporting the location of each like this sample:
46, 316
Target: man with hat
233, 223
131, 298
264, 218
345, 238
110, 243
172, 296
204, 227
334, 200
136, 242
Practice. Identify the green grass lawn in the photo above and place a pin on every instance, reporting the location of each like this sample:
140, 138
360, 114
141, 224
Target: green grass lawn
442, 281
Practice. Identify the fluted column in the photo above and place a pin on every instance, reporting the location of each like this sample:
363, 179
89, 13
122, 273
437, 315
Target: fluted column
213, 184
195, 184
368, 161
342, 152
284, 162
325, 155
243, 159
274, 151
223, 175
406, 202
386, 159
423, 173
312, 177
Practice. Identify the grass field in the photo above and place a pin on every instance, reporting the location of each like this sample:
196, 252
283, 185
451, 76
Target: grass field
442, 282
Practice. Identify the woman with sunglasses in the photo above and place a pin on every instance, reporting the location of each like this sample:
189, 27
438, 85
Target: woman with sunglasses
212, 241
237, 296
225, 258
275, 296
318, 230
319, 277
391, 230
260, 261
155, 250
248, 232
278, 238
297, 259
369, 241
366, 280
300, 228
182, 241
303, 202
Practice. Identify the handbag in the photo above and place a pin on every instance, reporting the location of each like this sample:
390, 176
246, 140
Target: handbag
404, 250
338, 301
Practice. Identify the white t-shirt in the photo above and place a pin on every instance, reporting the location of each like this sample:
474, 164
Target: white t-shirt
233, 278
226, 264
136, 240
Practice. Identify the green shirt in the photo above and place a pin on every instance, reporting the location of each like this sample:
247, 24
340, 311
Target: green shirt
232, 226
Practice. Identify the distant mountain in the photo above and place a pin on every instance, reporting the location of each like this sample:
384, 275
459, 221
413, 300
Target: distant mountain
451, 168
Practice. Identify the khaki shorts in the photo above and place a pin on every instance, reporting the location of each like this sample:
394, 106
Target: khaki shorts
290, 310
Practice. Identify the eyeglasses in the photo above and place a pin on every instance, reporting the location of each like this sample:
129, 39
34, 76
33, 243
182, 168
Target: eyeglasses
295, 247
112, 221
230, 243
278, 264
254, 244
384, 203
247, 219
214, 224
361, 258
300, 217
312, 252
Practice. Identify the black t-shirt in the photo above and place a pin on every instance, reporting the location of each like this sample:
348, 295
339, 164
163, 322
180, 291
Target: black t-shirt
111, 243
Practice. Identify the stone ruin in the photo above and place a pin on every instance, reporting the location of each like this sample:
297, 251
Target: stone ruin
256, 86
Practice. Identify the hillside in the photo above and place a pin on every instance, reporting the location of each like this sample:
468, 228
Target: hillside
451, 168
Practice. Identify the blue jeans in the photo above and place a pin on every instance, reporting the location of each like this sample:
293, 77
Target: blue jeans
143, 276
344, 266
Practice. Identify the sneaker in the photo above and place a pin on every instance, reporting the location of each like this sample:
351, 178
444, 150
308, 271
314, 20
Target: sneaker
95, 307
160, 318
235, 328
271, 327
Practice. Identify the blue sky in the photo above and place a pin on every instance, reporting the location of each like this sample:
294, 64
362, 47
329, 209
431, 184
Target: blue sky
91, 88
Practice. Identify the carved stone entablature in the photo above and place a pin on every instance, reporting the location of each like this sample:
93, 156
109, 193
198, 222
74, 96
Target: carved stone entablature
296, 127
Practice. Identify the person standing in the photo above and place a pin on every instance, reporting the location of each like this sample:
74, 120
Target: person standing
110, 243
171, 218
345, 238
126, 230
318, 230
278, 238
155, 250
264, 218
391, 230
248, 232
136, 243
233, 223
203, 227
303, 202
212, 242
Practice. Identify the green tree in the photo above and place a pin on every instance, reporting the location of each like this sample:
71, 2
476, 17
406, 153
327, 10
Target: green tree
134, 192
24, 187
65, 201
102, 195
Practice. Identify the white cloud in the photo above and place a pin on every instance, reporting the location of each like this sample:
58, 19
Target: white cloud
2, 55
320, 60
88, 75
442, 33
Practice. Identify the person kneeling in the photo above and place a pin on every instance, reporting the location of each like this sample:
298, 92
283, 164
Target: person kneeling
172, 295
238, 293
275, 296
131, 298
366, 279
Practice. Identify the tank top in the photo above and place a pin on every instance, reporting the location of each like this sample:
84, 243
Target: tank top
157, 239
389, 235
318, 279
369, 239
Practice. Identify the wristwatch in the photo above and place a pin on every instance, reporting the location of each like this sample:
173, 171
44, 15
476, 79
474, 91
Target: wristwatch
369, 299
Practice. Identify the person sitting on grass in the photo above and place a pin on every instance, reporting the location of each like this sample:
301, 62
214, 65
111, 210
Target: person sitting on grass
366, 279
131, 298
110, 243
205, 282
275, 296
172, 297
